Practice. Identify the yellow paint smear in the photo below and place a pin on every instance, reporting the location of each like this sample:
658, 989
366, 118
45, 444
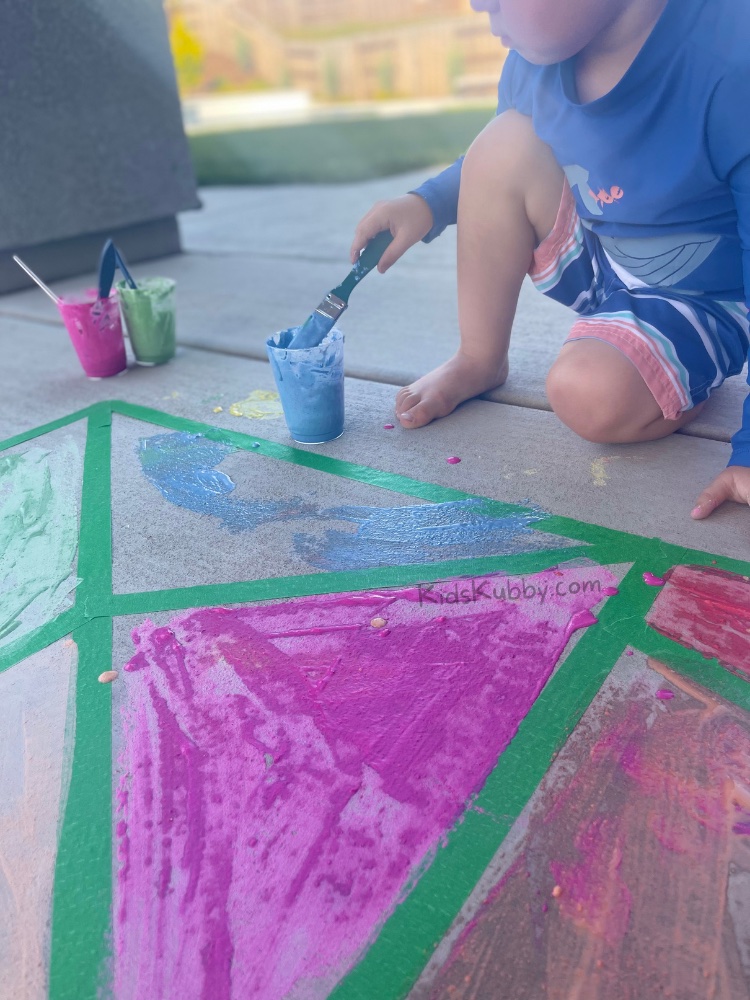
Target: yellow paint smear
259, 405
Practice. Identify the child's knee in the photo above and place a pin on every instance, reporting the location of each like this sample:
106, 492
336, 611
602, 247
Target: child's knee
598, 395
508, 159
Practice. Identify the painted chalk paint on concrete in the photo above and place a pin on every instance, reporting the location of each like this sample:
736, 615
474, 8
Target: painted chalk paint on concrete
183, 467
289, 769
631, 874
39, 492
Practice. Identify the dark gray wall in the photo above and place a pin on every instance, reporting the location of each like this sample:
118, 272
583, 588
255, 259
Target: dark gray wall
91, 138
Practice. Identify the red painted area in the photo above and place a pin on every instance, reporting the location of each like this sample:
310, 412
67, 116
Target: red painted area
708, 610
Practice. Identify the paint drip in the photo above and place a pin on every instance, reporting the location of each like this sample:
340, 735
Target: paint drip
653, 581
453, 460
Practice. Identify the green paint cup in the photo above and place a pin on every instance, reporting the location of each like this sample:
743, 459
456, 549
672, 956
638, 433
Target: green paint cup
149, 314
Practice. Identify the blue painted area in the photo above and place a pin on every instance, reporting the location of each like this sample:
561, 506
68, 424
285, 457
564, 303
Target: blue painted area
388, 536
183, 468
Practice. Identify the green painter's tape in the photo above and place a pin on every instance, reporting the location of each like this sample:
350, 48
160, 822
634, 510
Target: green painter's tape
409, 937
82, 898
45, 428
83, 879
332, 583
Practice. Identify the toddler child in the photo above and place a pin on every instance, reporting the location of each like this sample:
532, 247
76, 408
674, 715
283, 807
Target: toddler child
617, 174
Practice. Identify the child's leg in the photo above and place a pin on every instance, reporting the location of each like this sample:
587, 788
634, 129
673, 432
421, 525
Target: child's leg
511, 187
597, 392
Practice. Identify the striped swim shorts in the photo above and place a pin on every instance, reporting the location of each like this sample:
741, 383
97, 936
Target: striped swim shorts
683, 345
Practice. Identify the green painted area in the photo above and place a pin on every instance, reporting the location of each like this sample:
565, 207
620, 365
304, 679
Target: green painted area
82, 903
38, 537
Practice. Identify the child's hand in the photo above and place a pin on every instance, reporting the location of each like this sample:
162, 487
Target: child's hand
731, 484
409, 219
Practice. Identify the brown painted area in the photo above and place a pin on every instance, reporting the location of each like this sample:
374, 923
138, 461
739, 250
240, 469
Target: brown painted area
642, 840
707, 610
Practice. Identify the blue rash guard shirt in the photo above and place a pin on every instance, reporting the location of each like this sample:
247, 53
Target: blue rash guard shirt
660, 165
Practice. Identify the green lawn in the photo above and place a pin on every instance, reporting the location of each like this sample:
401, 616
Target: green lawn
335, 151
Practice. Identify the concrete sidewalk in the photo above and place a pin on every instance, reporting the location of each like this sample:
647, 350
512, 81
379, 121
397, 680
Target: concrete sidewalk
258, 260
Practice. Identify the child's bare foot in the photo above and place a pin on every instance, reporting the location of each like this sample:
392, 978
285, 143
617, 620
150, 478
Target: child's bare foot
440, 391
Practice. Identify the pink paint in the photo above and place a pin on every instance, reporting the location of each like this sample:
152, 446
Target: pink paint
95, 331
277, 796
453, 460
581, 619
653, 581
388, 427
628, 652
611, 591
742, 828
665, 695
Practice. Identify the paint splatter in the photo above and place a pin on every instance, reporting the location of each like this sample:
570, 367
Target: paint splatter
357, 755
259, 405
183, 468
611, 591
653, 581
634, 825
453, 460
38, 536
388, 427
599, 474
665, 695
707, 610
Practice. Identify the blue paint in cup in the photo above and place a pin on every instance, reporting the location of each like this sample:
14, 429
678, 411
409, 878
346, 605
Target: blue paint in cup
310, 382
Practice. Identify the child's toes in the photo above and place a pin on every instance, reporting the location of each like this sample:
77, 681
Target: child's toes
406, 398
417, 415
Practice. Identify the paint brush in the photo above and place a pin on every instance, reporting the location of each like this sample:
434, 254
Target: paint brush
37, 279
324, 318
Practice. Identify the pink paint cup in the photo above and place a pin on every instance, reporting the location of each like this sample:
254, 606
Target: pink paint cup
95, 329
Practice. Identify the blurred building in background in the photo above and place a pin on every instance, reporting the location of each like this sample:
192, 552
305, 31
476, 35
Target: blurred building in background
335, 50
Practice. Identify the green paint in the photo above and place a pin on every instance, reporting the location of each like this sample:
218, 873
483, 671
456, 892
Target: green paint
149, 312
82, 897
83, 883
38, 537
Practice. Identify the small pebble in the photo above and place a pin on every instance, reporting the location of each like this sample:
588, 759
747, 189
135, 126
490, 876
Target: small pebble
218, 409
378, 622
255, 444
557, 891
108, 676
388, 427
453, 460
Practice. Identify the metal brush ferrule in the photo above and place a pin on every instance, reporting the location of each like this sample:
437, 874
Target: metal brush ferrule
331, 306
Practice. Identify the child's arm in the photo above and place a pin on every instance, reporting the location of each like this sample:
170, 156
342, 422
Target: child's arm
427, 210
731, 155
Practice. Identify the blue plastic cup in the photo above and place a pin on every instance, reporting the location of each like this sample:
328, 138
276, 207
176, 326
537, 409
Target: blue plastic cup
310, 382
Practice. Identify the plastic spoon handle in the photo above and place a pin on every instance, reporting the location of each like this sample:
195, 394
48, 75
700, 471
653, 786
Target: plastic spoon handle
37, 279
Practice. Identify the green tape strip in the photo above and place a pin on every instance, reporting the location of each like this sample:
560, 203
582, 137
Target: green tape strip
95, 546
82, 898
40, 638
45, 428
331, 583
411, 934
